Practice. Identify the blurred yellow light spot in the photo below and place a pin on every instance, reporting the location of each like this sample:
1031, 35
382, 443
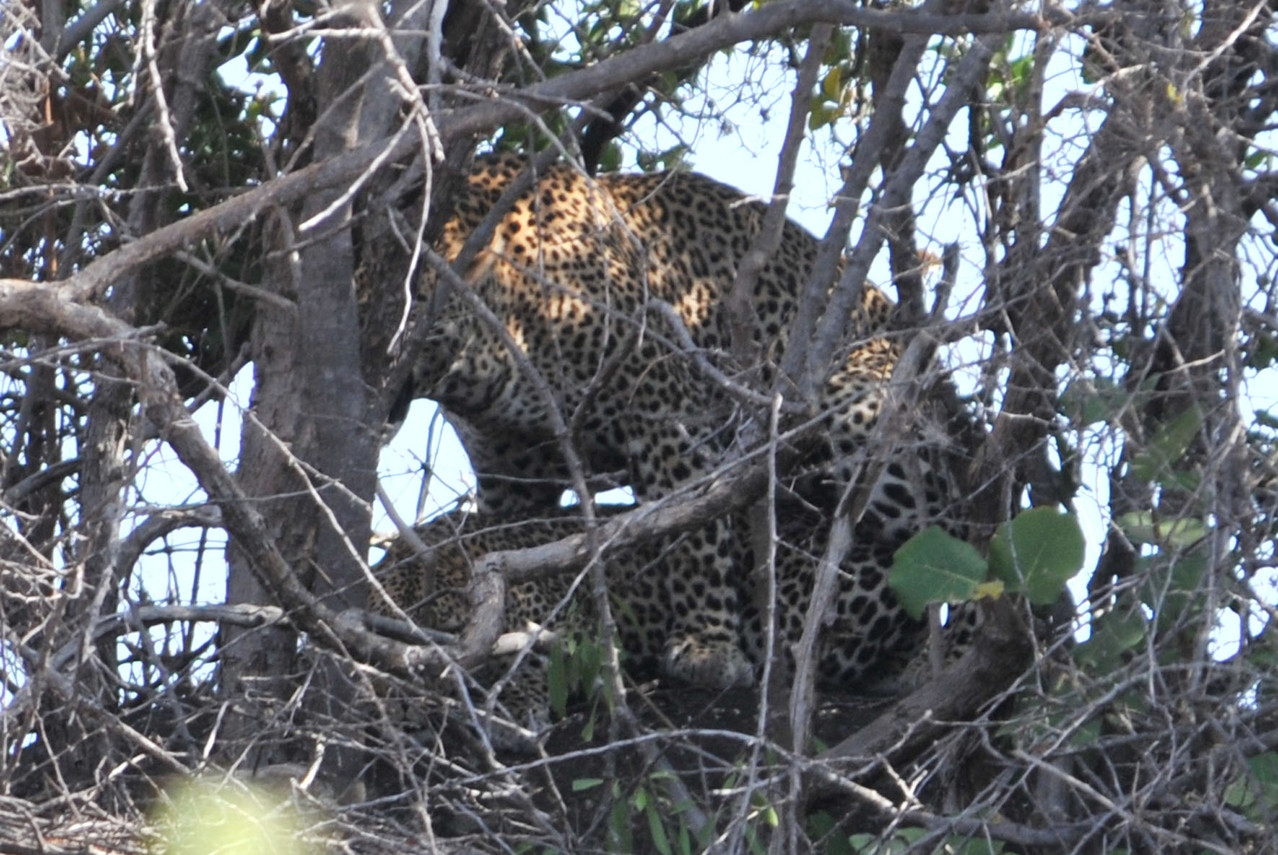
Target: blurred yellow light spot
231, 818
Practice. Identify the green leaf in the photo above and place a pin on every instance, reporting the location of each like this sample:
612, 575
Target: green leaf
583, 784
991, 590
1087, 734
840, 47
1257, 158
863, 843
821, 115
825, 831
610, 160
1167, 446
621, 838
639, 799
1265, 769
658, 831
1145, 527
935, 567
911, 835
1021, 68
832, 85
1258, 789
974, 846
1113, 634
1037, 552
1263, 351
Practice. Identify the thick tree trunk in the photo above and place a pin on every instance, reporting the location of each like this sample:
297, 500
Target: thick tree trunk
311, 449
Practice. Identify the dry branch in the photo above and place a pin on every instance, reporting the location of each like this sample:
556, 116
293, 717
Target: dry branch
575, 86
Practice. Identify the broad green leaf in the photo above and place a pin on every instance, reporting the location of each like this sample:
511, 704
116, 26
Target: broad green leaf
934, 567
863, 842
610, 161
824, 831
1265, 769
1144, 527
1037, 552
822, 114
911, 835
1087, 734
839, 48
1021, 68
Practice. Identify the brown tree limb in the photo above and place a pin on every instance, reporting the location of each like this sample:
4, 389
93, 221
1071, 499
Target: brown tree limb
987, 670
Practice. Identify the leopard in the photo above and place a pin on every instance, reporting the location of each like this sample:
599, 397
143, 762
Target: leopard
869, 642
595, 317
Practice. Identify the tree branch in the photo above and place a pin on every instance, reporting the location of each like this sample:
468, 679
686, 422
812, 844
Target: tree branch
569, 88
50, 310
